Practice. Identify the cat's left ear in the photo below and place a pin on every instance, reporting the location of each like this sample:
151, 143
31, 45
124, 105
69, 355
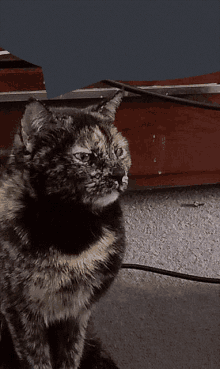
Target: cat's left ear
108, 108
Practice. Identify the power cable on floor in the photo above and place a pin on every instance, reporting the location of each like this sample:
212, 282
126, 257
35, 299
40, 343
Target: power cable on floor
171, 274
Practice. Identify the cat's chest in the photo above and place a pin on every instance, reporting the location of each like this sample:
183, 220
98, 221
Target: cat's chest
63, 284
69, 228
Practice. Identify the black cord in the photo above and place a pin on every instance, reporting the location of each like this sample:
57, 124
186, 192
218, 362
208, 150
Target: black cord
177, 100
172, 274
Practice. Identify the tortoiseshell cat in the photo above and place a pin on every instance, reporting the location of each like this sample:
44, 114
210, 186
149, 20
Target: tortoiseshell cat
61, 228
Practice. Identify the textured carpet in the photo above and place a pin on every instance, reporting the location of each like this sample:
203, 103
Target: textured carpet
153, 321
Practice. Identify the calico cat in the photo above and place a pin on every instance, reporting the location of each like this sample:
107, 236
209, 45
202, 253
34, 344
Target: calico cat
61, 228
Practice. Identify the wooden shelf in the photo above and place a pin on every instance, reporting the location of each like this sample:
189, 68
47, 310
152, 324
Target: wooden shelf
170, 144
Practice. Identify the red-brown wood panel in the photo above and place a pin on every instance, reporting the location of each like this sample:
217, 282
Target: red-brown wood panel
171, 144
28, 79
9, 120
206, 78
18, 79
18, 75
169, 140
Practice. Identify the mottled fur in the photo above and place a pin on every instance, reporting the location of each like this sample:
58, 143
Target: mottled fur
61, 228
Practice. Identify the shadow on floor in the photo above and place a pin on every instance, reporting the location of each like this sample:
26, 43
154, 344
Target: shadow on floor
153, 322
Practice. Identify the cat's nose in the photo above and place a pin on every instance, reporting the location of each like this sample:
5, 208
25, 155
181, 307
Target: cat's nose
118, 173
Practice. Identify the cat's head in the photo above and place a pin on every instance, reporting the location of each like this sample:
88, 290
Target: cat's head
79, 156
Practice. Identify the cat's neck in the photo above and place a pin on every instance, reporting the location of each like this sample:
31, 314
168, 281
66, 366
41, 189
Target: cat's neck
70, 226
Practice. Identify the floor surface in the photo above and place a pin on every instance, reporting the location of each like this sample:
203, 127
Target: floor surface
153, 321
159, 322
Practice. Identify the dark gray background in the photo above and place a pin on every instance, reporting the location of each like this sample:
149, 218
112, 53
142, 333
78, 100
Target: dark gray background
78, 43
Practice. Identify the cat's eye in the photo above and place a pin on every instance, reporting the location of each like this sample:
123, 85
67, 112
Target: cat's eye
82, 156
119, 151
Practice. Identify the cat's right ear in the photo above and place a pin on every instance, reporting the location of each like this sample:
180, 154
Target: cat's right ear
108, 107
34, 118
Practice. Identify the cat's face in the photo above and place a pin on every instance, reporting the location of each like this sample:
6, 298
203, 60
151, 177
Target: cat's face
80, 156
101, 160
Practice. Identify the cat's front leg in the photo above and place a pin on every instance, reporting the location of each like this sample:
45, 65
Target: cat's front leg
29, 339
2, 324
67, 341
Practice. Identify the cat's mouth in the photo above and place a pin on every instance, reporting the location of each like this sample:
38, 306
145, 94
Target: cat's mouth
109, 193
112, 194
121, 184
118, 184
124, 183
